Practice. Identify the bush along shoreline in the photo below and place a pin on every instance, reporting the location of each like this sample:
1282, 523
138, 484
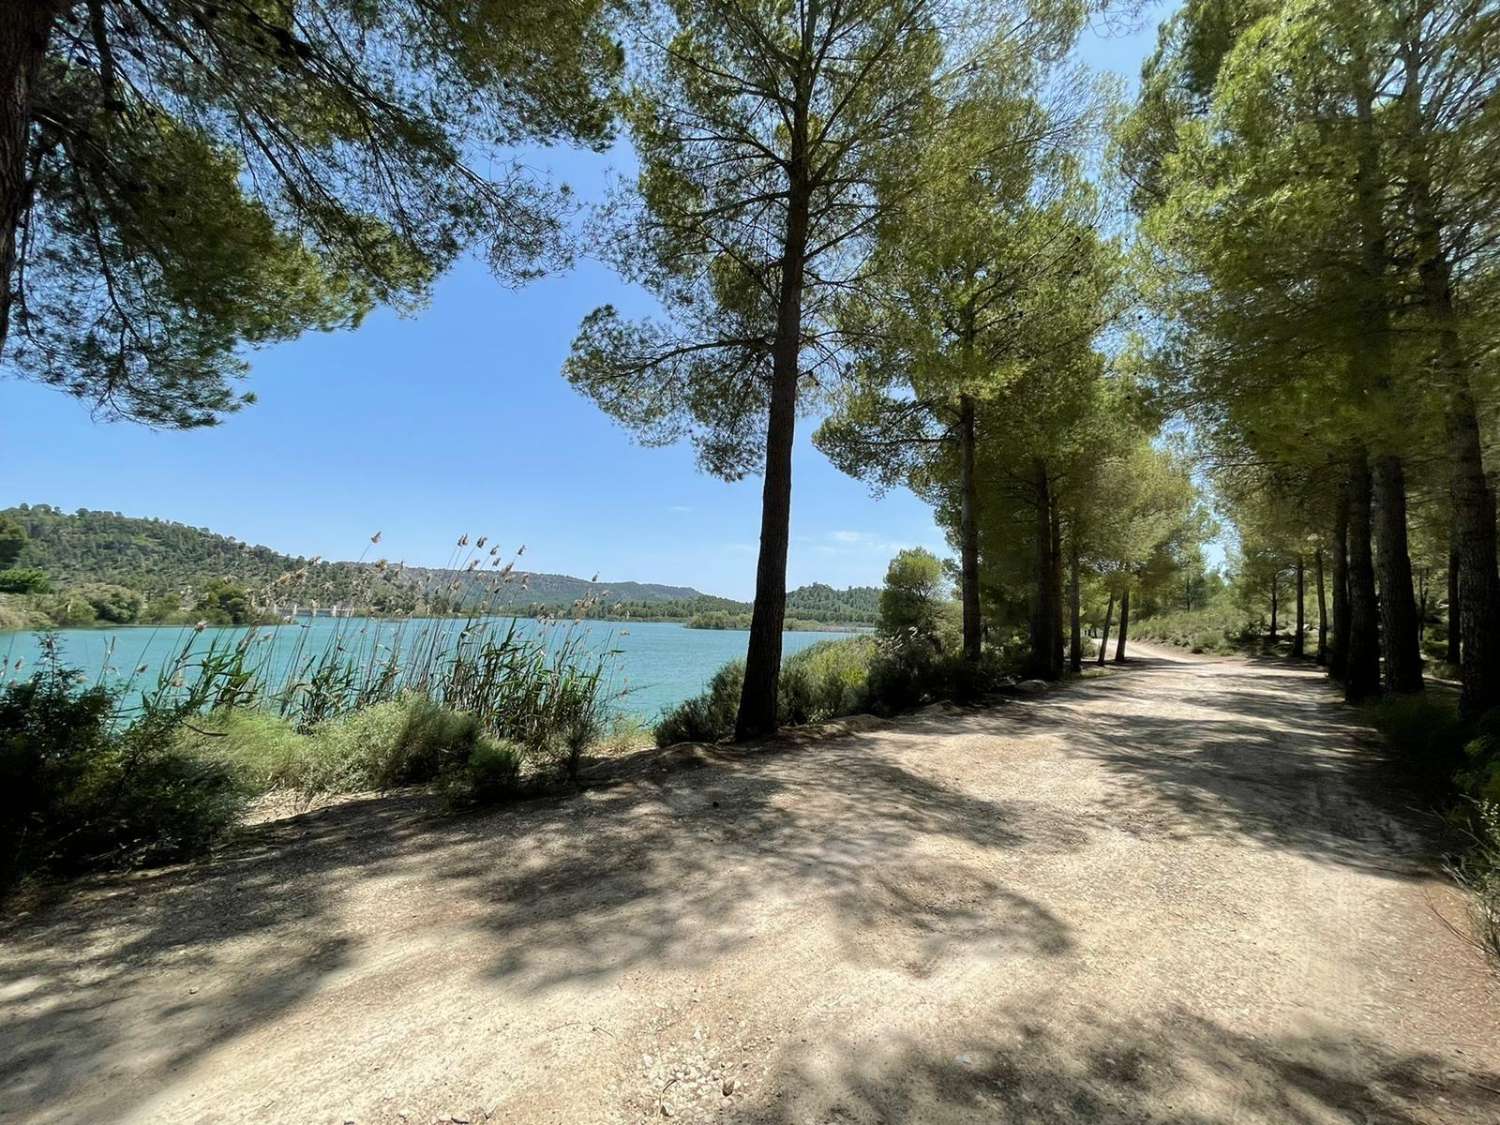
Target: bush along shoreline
104, 775
98, 775
914, 658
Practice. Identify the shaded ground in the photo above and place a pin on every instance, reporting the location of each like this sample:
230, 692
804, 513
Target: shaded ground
1175, 894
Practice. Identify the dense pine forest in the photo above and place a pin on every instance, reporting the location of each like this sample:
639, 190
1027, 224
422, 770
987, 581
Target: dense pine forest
85, 567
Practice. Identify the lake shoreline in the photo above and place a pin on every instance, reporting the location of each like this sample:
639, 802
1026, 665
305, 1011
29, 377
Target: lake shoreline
276, 623
652, 666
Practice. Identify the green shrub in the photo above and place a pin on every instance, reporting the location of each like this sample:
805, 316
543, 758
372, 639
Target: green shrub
66, 611
826, 680
118, 605
1449, 756
1480, 775
1427, 736
1478, 870
23, 580
911, 601
78, 789
966, 682
884, 675
1216, 629
708, 717
263, 750
405, 741
18, 613
491, 773
222, 602
907, 671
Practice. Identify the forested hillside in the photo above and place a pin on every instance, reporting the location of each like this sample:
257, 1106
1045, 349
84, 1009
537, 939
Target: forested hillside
171, 565
150, 555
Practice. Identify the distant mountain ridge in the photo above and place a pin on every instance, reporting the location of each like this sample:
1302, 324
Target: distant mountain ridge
157, 556
161, 558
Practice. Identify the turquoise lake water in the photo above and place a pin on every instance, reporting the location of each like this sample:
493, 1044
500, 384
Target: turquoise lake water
654, 665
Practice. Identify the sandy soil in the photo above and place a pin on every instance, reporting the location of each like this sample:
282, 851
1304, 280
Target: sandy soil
1174, 894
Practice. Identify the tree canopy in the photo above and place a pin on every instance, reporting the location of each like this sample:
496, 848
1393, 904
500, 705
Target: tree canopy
182, 178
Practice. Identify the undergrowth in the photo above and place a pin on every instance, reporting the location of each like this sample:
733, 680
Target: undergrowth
106, 774
1214, 630
831, 679
1455, 762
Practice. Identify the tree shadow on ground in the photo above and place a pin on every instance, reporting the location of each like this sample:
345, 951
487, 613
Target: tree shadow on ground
75, 966
657, 870
1269, 756
1179, 1068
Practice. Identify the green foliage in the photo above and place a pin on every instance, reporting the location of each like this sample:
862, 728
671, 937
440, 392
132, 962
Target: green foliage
18, 613
826, 680
222, 602
1478, 869
116, 605
175, 566
79, 789
742, 116
407, 741
708, 717
203, 177
1427, 737
835, 678
741, 621
492, 773
65, 610
86, 779
1215, 629
1480, 777
1451, 757
12, 540
163, 559
911, 601
24, 580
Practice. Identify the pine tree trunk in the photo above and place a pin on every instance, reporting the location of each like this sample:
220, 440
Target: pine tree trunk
1372, 361
1299, 642
1478, 585
1422, 575
1075, 598
1362, 673
1469, 489
1275, 587
1455, 611
1400, 634
1124, 625
1046, 618
25, 28
1322, 607
1338, 654
968, 531
757, 714
1109, 613
1055, 627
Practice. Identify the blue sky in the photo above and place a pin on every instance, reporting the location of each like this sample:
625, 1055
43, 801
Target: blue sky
458, 420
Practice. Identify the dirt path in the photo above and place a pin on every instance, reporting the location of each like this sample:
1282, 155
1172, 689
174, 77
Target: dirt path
1163, 896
